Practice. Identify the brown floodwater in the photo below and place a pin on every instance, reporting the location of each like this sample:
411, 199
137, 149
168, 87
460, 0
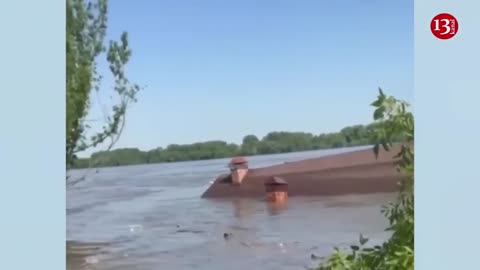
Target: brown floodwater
152, 217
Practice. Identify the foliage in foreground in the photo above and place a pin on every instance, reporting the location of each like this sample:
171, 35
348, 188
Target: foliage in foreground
85, 35
398, 252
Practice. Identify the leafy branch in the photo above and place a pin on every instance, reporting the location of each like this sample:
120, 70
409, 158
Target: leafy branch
85, 36
397, 253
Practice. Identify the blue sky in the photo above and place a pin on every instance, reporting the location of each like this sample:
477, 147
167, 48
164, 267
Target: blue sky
219, 70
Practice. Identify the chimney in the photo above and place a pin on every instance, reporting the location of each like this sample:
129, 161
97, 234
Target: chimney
276, 189
239, 169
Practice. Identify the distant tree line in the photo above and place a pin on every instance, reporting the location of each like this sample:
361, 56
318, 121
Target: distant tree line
272, 143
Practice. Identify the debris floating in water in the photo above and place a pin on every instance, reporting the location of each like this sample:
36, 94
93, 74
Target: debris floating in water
91, 260
227, 236
135, 228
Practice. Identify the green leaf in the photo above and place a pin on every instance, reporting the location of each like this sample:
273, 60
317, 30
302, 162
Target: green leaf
380, 91
376, 150
378, 113
377, 103
363, 240
386, 146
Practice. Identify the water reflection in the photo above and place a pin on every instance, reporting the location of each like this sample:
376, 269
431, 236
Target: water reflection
243, 208
276, 208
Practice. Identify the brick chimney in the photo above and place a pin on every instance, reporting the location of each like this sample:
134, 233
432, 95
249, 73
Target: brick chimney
239, 169
276, 189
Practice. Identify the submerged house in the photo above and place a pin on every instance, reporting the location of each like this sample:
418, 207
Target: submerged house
345, 173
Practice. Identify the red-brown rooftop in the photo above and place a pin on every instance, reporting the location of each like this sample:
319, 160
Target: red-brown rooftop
353, 172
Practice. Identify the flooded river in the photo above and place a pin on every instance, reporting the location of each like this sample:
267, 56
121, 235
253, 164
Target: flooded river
152, 217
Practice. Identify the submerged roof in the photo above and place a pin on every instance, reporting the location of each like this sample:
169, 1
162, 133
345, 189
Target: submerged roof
356, 172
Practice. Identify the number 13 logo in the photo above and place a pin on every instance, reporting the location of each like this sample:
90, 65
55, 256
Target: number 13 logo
444, 26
